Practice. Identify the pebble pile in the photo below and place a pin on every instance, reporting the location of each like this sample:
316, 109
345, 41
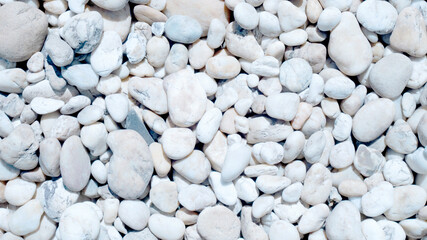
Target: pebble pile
213, 119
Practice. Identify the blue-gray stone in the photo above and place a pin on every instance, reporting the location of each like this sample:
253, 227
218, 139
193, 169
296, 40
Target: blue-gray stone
183, 29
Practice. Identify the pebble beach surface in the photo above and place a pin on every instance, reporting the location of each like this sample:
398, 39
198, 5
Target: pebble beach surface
213, 120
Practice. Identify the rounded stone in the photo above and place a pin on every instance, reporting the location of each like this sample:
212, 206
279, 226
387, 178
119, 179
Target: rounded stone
295, 74
377, 16
373, 119
183, 29
134, 213
389, 76
131, 164
218, 222
80, 221
178, 149
23, 30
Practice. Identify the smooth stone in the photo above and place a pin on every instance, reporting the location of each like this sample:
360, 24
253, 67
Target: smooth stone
134, 213
216, 33
344, 222
109, 84
246, 15
111, 5
13, 80
19, 146
149, 15
41, 105
341, 5
131, 156
237, 158
295, 74
262, 205
368, 161
165, 227
281, 228
313, 219
178, 150
118, 21
55, 198
46, 230
271, 184
410, 34
179, 56
58, 50
136, 47
293, 38
196, 197
90, 114
75, 104
164, 196
222, 67
26, 219
162, 164
225, 192
117, 106
329, 19
352, 188
273, 103
407, 201
83, 31
94, 137
81, 75
183, 29
23, 31
269, 24
415, 228
378, 200
99, 171
377, 16
242, 43
246, 189
339, 87
267, 66
144, 234
79, 221
107, 56
74, 164
208, 125
195, 167
149, 92
8, 172
290, 16
204, 11
348, 47
218, 223
373, 119
18, 192
186, 98
390, 75
317, 185
400, 138
63, 127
